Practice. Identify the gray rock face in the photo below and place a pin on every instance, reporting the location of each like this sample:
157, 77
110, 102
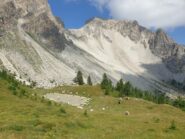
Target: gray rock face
8, 17
29, 34
172, 54
127, 28
38, 21
33, 6
43, 28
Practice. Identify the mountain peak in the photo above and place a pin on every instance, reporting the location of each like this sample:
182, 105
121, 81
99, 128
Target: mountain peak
113, 24
161, 35
95, 19
36, 46
105, 20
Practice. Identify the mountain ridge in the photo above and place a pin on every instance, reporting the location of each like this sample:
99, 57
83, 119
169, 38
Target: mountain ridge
36, 46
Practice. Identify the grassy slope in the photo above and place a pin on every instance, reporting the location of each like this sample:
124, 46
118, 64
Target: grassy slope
30, 118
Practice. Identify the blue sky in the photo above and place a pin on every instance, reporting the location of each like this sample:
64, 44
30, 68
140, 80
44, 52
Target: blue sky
74, 13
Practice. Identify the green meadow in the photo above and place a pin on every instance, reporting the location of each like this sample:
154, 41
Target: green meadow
25, 114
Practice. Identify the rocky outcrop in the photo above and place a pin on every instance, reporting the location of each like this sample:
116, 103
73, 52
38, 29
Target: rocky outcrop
30, 34
171, 53
37, 20
127, 28
8, 17
44, 30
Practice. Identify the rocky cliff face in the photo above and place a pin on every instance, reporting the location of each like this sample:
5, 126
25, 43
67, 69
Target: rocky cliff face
29, 32
35, 18
171, 53
35, 45
8, 17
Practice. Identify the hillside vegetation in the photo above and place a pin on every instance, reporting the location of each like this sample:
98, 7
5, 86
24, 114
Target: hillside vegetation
24, 113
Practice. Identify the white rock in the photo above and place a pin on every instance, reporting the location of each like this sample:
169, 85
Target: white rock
73, 100
127, 113
80, 107
91, 110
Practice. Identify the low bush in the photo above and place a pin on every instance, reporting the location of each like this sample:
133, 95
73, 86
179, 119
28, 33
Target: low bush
62, 110
173, 125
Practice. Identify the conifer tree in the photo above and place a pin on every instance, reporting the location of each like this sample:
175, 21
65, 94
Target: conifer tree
89, 82
119, 85
127, 89
105, 81
106, 84
79, 78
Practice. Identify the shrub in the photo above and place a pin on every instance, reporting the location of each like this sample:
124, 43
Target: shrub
16, 127
33, 84
47, 126
12, 88
49, 103
180, 103
62, 110
3, 74
42, 99
173, 125
14, 92
156, 120
23, 92
85, 113
35, 122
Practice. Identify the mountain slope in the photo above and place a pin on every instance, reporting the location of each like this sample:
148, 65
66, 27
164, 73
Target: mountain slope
124, 50
21, 50
35, 45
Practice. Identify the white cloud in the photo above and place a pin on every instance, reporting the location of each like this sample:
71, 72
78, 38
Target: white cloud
100, 4
150, 13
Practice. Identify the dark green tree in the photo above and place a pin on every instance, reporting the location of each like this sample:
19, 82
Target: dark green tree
126, 90
106, 84
89, 82
109, 87
119, 85
4, 74
79, 78
105, 81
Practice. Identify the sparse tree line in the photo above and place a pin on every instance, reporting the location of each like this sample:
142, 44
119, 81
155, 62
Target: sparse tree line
126, 89
121, 88
80, 81
14, 85
19, 89
178, 85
